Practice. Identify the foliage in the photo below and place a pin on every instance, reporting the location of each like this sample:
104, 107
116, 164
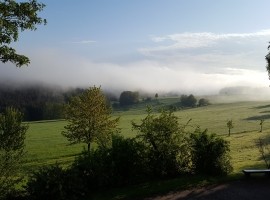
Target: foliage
267, 58
261, 124
188, 100
12, 136
166, 142
173, 108
230, 125
210, 154
37, 102
119, 165
54, 182
128, 98
89, 118
129, 161
15, 17
263, 145
203, 102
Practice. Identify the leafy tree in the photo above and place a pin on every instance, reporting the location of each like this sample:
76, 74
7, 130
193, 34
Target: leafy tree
15, 17
128, 98
89, 118
203, 102
267, 58
156, 95
210, 154
188, 100
166, 142
230, 125
12, 135
261, 124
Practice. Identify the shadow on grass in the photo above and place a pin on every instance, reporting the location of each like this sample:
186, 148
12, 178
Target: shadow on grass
261, 107
258, 117
267, 111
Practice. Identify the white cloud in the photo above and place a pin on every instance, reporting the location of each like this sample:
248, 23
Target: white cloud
158, 39
199, 40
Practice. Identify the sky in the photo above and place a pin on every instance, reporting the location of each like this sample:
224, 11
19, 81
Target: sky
183, 46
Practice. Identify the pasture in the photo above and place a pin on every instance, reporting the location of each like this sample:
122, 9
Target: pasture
45, 144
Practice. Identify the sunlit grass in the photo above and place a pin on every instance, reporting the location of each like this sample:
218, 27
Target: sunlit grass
45, 144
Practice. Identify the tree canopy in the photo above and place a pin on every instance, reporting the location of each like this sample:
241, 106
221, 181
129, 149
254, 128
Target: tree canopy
15, 17
188, 100
128, 98
267, 58
203, 102
165, 140
12, 135
88, 118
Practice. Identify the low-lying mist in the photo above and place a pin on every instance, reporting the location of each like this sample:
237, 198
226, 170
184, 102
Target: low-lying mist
58, 69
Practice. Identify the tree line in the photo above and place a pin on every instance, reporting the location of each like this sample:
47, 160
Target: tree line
39, 102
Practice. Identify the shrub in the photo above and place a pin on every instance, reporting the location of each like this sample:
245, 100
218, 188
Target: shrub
128, 161
54, 182
210, 154
121, 164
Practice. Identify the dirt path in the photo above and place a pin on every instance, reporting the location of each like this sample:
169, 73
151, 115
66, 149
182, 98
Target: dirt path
251, 189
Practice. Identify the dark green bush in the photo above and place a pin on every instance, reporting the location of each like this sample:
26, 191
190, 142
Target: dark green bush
128, 161
210, 154
54, 182
121, 164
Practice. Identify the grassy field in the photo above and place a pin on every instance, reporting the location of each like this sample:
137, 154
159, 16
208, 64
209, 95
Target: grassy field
45, 144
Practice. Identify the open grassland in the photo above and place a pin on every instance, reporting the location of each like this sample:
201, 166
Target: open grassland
45, 144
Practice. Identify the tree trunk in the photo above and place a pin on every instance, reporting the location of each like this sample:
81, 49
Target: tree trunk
88, 147
229, 132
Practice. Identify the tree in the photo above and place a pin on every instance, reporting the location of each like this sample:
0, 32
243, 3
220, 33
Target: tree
188, 100
267, 58
166, 142
128, 98
15, 17
230, 125
261, 124
156, 96
203, 102
12, 135
89, 118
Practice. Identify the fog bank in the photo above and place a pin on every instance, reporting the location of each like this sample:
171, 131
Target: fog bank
55, 67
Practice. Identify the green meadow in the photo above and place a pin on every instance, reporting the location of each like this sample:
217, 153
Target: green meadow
45, 144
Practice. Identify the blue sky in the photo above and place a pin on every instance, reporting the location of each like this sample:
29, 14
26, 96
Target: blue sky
194, 46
